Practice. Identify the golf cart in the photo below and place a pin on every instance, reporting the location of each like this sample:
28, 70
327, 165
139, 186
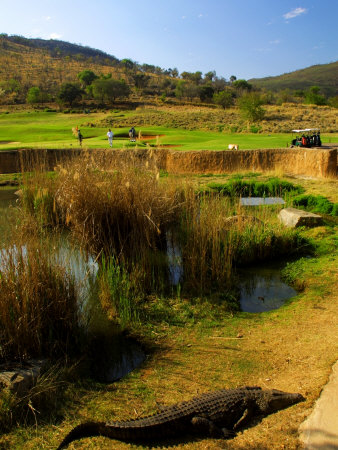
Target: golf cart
309, 137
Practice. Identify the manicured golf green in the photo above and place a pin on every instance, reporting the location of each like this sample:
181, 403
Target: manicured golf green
39, 129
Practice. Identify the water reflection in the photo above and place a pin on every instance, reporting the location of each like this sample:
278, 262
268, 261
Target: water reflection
261, 289
7, 201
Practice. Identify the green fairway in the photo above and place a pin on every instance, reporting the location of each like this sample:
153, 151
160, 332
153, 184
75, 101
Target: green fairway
54, 130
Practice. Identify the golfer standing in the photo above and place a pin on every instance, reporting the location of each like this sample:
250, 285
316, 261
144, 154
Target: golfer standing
110, 135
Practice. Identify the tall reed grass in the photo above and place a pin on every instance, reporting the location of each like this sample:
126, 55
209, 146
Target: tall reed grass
38, 304
127, 214
119, 292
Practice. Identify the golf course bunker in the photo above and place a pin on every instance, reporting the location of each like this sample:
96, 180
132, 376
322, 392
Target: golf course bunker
149, 137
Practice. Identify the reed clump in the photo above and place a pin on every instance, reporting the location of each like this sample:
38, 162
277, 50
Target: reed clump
120, 212
38, 304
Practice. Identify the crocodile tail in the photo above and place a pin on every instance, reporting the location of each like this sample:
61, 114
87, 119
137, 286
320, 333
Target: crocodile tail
84, 430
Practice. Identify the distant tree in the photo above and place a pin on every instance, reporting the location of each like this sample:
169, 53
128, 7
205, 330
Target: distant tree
299, 93
179, 90
13, 85
148, 68
313, 97
140, 80
69, 92
186, 89
158, 70
110, 90
191, 91
86, 77
209, 76
168, 86
194, 77
128, 64
174, 72
33, 95
224, 99
242, 85
186, 75
106, 76
219, 84
232, 78
206, 93
250, 105
333, 101
284, 96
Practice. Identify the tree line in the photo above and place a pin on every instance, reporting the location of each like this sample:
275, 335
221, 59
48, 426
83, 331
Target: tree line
140, 81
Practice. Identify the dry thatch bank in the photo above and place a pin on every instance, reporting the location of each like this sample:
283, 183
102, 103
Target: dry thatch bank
319, 163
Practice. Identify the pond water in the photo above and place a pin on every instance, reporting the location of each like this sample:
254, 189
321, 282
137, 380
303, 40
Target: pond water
261, 288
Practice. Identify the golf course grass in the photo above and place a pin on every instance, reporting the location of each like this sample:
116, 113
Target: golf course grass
40, 129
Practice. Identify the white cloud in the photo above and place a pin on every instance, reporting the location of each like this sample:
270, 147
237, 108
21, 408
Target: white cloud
294, 13
55, 36
184, 17
275, 42
200, 15
47, 18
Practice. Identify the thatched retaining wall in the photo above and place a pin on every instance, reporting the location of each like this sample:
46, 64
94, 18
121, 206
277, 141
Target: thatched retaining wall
319, 163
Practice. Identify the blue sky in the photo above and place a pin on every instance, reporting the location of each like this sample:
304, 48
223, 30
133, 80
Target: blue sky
245, 38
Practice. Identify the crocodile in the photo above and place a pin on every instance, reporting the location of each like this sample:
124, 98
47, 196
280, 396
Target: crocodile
216, 414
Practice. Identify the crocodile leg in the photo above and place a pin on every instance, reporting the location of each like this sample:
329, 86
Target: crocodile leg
206, 427
247, 415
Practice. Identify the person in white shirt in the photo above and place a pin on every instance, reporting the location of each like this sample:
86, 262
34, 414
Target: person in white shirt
110, 135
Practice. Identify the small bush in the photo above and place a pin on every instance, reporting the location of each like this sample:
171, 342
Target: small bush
316, 203
236, 187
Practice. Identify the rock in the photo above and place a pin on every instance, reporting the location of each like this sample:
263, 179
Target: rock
292, 217
21, 377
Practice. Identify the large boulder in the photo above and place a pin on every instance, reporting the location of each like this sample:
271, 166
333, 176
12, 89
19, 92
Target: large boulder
292, 217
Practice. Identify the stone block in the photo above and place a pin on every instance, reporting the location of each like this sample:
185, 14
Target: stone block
292, 217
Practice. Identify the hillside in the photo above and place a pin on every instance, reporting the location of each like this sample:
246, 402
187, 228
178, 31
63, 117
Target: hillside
48, 64
323, 75
61, 48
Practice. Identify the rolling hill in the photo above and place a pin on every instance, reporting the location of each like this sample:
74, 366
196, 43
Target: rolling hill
323, 75
28, 62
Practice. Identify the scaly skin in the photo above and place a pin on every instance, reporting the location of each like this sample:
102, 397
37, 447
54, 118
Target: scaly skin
216, 414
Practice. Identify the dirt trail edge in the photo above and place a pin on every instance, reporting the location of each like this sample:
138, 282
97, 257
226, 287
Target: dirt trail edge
320, 430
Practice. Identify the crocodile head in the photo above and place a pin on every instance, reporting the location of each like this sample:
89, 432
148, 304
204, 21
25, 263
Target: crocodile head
273, 400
